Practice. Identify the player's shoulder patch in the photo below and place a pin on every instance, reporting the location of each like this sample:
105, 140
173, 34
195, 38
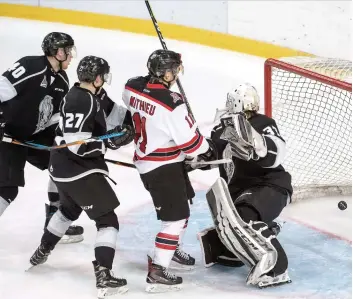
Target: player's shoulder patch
176, 97
170, 99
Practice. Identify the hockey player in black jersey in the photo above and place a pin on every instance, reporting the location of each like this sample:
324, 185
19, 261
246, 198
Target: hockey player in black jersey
252, 191
79, 172
165, 134
30, 95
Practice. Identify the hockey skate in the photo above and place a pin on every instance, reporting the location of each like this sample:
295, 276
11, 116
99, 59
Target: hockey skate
106, 283
40, 256
74, 233
181, 260
159, 280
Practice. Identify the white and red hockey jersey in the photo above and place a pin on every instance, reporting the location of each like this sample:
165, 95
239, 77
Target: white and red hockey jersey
165, 132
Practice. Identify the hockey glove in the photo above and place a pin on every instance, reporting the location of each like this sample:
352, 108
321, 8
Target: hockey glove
115, 142
210, 155
2, 126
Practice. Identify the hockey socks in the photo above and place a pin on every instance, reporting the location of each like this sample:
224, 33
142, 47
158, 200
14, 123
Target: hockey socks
104, 248
167, 241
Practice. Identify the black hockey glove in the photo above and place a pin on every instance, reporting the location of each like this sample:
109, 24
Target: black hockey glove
2, 126
115, 142
210, 155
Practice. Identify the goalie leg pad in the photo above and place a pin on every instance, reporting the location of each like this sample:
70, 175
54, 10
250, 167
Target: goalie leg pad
214, 251
244, 240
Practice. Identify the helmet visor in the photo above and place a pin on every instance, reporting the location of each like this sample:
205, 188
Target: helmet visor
71, 51
107, 78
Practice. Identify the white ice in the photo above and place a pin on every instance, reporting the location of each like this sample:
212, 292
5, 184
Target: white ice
316, 235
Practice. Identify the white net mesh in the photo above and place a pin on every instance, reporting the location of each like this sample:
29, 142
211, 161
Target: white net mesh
314, 117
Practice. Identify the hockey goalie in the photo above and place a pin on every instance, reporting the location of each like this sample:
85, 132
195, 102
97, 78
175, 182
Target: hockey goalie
250, 194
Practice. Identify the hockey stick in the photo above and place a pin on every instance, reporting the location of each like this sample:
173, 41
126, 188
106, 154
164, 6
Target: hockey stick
215, 162
49, 148
164, 45
120, 163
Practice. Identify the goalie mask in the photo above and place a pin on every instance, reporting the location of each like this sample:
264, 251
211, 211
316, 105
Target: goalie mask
243, 98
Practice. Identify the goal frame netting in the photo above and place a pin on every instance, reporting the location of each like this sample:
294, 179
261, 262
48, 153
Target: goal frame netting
302, 192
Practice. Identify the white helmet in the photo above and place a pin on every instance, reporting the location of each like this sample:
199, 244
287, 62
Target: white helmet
243, 98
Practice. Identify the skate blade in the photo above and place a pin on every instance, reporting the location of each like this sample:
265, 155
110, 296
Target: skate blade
264, 286
67, 239
162, 288
176, 266
106, 292
30, 267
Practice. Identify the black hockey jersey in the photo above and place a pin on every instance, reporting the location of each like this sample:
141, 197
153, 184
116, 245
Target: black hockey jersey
30, 95
242, 174
83, 115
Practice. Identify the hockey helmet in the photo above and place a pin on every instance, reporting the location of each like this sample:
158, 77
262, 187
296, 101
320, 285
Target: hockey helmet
243, 98
90, 67
161, 61
56, 40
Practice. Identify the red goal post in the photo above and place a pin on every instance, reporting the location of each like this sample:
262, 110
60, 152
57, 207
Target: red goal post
310, 98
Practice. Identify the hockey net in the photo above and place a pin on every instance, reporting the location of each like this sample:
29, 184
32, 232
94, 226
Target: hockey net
310, 99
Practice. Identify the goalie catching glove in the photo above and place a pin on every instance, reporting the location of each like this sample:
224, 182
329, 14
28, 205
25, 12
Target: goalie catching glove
114, 143
246, 143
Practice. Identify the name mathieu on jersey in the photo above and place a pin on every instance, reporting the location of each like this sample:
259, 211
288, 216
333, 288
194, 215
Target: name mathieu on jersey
30, 95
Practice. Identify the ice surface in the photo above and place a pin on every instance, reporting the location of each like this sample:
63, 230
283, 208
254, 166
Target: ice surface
316, 234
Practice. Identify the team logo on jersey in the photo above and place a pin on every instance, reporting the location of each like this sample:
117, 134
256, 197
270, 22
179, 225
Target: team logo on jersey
44, 82
175, 97
45, 113
98, 106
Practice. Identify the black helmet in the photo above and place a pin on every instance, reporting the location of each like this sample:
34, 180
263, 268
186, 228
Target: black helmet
161, 61
90, 67
55, 40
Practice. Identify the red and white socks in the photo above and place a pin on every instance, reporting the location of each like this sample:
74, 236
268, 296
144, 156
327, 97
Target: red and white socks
167, 241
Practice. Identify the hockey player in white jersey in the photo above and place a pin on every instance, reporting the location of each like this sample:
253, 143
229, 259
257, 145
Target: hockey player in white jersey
165, 135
